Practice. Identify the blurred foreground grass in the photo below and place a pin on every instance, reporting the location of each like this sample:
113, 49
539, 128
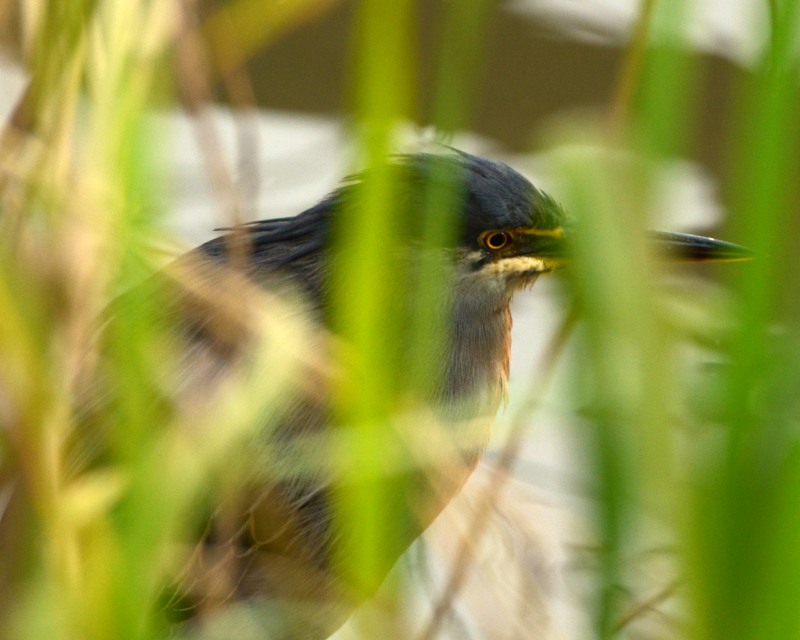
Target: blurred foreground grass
710, 459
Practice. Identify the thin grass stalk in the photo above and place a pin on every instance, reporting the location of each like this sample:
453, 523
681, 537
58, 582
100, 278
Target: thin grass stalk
367, 286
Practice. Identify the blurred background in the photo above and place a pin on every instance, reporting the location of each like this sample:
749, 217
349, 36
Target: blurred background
654, 491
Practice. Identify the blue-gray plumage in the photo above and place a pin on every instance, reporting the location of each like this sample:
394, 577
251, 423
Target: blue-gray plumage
281, 551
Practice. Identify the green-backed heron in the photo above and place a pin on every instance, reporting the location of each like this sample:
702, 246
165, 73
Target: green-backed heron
278, 555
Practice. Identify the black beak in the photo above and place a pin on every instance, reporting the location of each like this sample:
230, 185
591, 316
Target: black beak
553, 244
684, 247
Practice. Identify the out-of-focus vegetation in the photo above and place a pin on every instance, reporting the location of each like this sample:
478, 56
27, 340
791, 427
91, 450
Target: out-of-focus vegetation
96, 502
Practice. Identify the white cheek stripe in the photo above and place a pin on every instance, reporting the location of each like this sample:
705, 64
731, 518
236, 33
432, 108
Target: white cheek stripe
520, 264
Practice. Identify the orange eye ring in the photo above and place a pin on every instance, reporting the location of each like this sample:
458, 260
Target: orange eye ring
495, 240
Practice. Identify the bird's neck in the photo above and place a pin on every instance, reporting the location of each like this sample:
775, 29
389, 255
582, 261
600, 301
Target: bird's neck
480, 354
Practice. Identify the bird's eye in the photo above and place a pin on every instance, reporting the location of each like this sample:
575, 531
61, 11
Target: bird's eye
494, 240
